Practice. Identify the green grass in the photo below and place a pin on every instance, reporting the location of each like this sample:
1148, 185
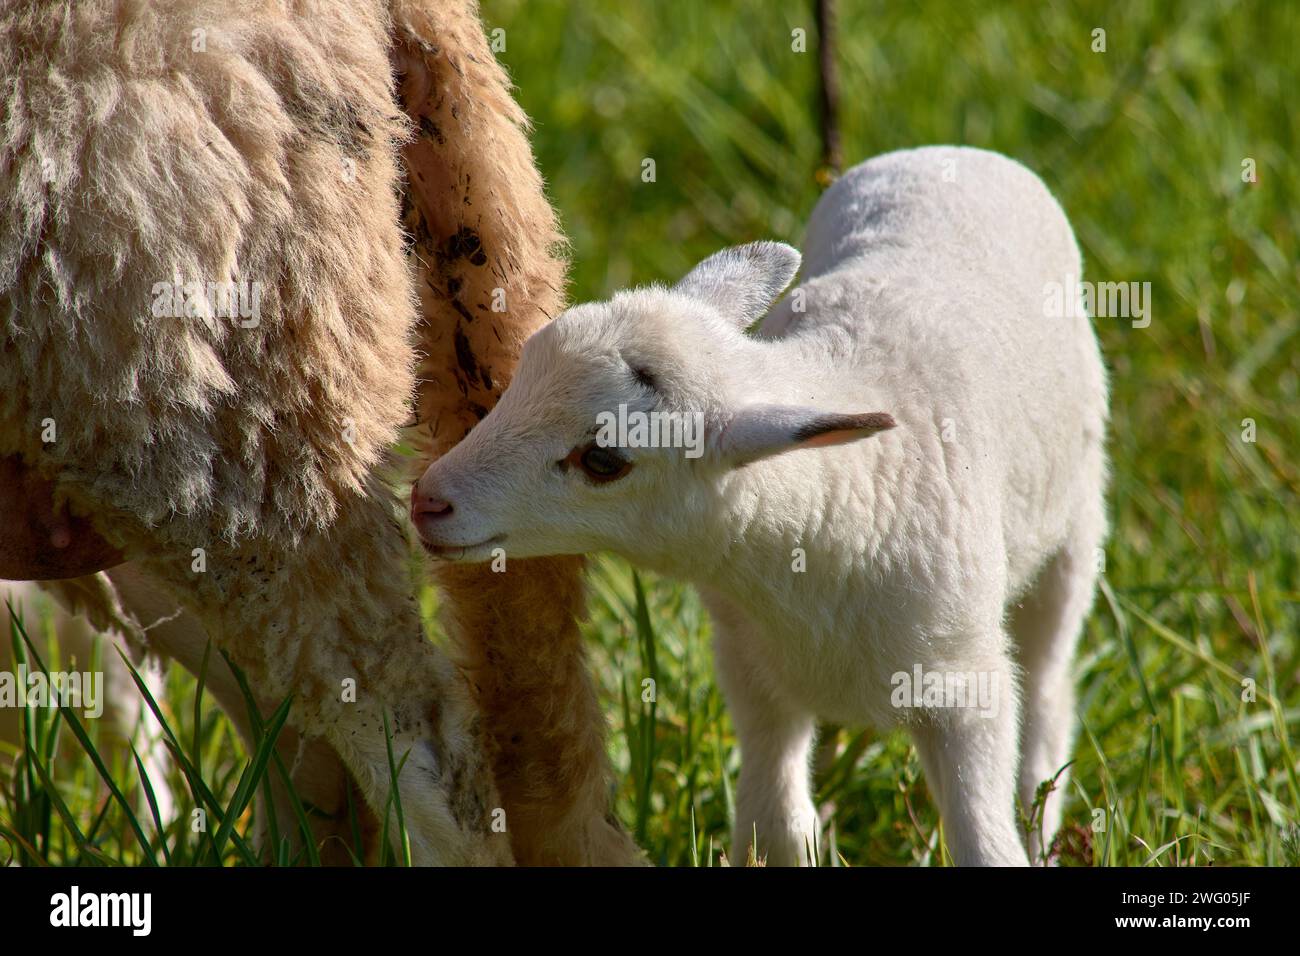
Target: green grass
1144, 145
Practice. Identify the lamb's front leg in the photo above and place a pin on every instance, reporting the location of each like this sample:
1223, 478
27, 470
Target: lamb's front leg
772, 797
970, 756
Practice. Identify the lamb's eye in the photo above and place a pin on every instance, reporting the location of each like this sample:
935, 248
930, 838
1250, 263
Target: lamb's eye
599, 464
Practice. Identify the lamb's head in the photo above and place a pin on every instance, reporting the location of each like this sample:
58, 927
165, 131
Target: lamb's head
623, 420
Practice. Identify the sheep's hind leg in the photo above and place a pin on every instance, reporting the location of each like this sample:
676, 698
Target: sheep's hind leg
482, 231
970, 755
1046, 625
517, 640
772, 798
316, 773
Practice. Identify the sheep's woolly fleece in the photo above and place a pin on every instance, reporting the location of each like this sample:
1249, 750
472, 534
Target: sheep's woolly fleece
242, 142
149, 143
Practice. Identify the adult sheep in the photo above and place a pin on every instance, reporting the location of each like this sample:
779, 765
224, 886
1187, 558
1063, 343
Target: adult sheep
155, 152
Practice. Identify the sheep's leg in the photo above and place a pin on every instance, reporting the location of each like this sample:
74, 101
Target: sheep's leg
970, 758
346, 642
539, 709
1046, 625
448, 804
773, 801
316, 772
131, 722
364, 669
484, 246
174, 632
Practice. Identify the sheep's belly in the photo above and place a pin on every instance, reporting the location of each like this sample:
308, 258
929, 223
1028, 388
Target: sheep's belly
868, 680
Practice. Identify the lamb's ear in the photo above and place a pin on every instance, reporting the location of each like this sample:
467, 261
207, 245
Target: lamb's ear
743, 281
760, 431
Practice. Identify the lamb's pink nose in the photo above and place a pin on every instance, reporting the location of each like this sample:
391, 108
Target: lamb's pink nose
429, 505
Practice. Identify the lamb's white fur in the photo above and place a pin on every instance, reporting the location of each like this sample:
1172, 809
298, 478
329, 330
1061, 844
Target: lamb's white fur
962, 537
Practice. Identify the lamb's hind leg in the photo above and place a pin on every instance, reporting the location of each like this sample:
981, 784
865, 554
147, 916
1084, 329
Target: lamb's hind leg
772, 798
969, 755
1046, 625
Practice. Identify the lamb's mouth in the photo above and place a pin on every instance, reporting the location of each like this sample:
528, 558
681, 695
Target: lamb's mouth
462, 552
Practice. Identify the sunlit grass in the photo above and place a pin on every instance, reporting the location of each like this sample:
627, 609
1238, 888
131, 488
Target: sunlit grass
1144, 146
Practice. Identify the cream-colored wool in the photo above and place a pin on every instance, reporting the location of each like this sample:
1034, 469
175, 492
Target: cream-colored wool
150, 143
262, 149
131, 158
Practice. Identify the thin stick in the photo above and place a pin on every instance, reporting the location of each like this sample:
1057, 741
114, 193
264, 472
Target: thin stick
828, 93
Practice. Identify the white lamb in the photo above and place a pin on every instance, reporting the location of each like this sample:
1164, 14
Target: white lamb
935, 576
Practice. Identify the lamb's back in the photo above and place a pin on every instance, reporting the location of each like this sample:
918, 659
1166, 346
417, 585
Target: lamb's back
924, 285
